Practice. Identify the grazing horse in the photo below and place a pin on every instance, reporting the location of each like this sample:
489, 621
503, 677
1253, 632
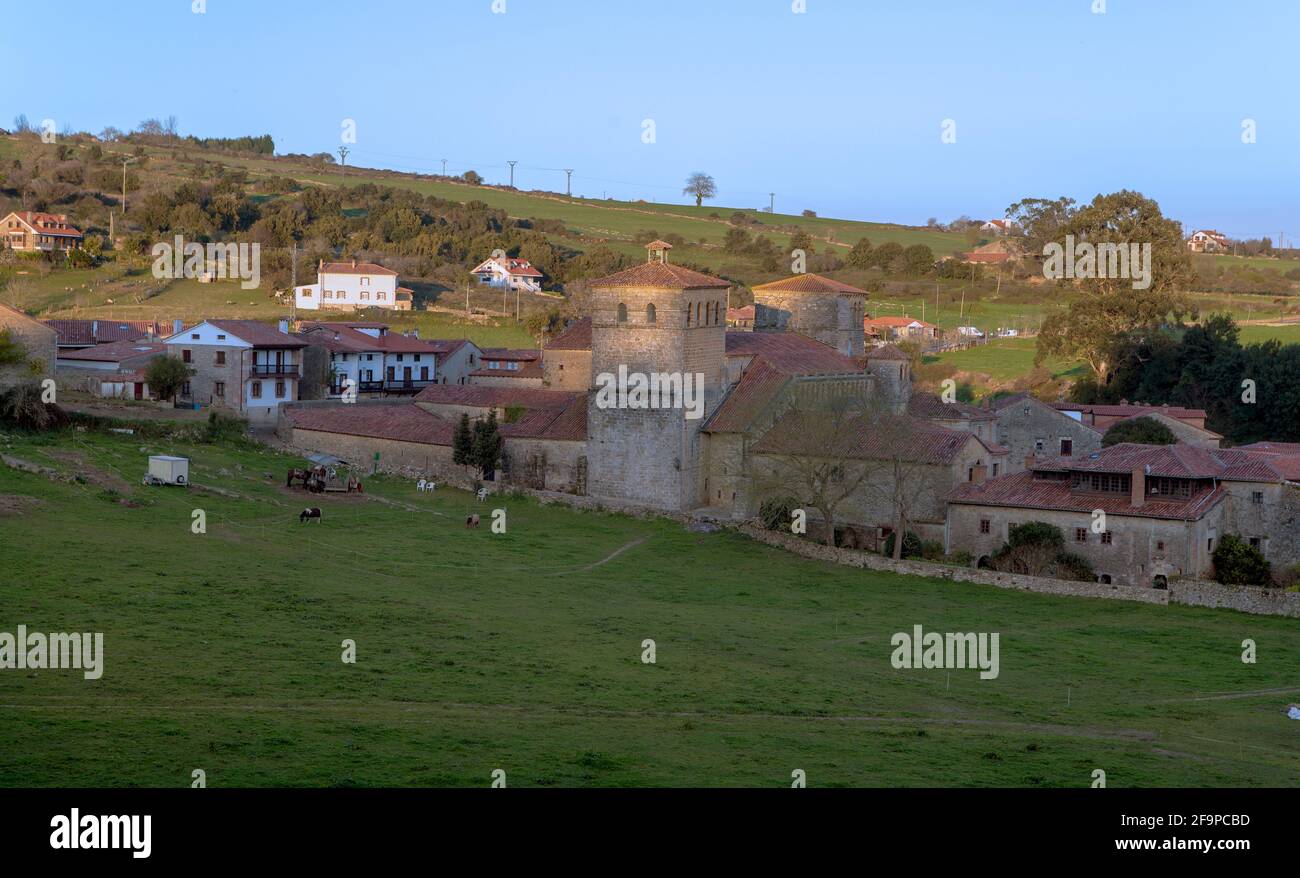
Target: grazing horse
482, 495
295, 473
471, 521
309, 514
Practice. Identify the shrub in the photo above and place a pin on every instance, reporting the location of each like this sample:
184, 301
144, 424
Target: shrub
1073, 567
1143, 431
223, 428
1237, 562
774, 512
912, 545
21, 406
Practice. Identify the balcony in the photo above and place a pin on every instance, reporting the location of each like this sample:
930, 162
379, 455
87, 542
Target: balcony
395, 386
273, 370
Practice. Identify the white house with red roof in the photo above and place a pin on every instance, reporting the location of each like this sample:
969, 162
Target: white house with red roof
377, 361
244, 366
30, 231
1208, 241
510, 273
352, 285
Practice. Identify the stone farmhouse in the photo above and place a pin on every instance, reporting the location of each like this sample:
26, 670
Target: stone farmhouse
353, 285
1164, 507
505, 367
242, 366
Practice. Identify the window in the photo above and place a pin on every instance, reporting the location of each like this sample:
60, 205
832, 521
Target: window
1209, 544
257, 390
194, 335
417, 358
1039, 445
220, 358
381, 295
185, 389
221, 336
1081, 535
399, 357
327, 294
984, 526
219, 388
650, 315
512, 366
493, 364
1160, 545
622, 313
1257, 497
306, 292
279, 390
186, 357
365, 296
1255, 542
995, 470
1067, 447
365, 281
1106, 538
370, 357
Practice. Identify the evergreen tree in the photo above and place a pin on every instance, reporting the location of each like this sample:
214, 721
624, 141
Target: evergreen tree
462, 443
488, 442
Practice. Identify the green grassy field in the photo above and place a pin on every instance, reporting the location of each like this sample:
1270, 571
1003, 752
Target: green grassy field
1004, 360
522, 651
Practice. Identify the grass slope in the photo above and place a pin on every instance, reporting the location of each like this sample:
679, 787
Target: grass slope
521, 651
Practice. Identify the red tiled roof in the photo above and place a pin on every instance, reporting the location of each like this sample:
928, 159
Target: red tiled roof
662, 275
355, 268
1024, 491
1127, 410
896, 321
930, 406
259, 335
346, 337
745, 313
513, 354
1181, 461
908, 439
810, 283
115, 352
790, 353
513, 267
45, 223
403, 423
757, 387
445, 347
481, 396
992, 258
575, 337
104, 331
887, 352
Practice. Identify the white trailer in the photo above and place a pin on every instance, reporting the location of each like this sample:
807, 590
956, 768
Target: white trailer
165, 469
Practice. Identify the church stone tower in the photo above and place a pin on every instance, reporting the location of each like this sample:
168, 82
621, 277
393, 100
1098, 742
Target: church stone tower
815, 306
893, 371
654, 318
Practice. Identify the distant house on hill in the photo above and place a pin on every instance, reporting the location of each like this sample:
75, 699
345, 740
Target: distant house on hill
353, 285
992, 253
997, 227
32, 232
1208, 241
900, 328
510, 273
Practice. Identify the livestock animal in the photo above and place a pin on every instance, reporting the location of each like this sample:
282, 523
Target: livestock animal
471, 521
313, 513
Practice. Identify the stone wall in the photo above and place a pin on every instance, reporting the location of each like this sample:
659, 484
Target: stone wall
1188, 592
566, 370
1023, 424
39, 342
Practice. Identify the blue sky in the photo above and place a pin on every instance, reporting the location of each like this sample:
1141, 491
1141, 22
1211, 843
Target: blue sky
838, 109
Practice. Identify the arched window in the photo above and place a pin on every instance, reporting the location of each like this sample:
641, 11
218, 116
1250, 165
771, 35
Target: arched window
650, 315
688, 315
622, 313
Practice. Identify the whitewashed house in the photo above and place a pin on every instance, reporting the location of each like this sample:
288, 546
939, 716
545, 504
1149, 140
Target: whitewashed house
353, 285
510, 273
375, 360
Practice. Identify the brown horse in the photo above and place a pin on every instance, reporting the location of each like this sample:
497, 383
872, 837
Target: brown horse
295, 473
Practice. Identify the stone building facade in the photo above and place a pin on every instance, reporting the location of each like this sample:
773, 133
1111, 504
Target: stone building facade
1033, 430
814, 306
39, 344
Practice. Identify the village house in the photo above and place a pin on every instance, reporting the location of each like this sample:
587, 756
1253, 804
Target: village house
901, 329
997, 226
566, 358
377, 361
509, 273
505, 367
38, 343
455, 359
245, 367
741, 318
1165, 508
352, 285
1031, 429
1208, 241
30, 231
111, 370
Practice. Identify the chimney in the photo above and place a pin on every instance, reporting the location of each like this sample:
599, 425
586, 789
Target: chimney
979, 474
177, 326
320, 265
1139, 495
284, 326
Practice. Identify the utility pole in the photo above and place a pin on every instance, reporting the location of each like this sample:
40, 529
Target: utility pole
125, 162
512, 173
444, 167
516, 304
343, 158
467, 302
568, 183
293, 274
771, 202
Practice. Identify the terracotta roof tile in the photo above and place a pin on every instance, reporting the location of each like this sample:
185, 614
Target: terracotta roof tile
259, 335
1026, 491
887, 352
116, 351
809, 283
910, 439
575, 337
662, 275
757, 387
790, 353
355, 268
